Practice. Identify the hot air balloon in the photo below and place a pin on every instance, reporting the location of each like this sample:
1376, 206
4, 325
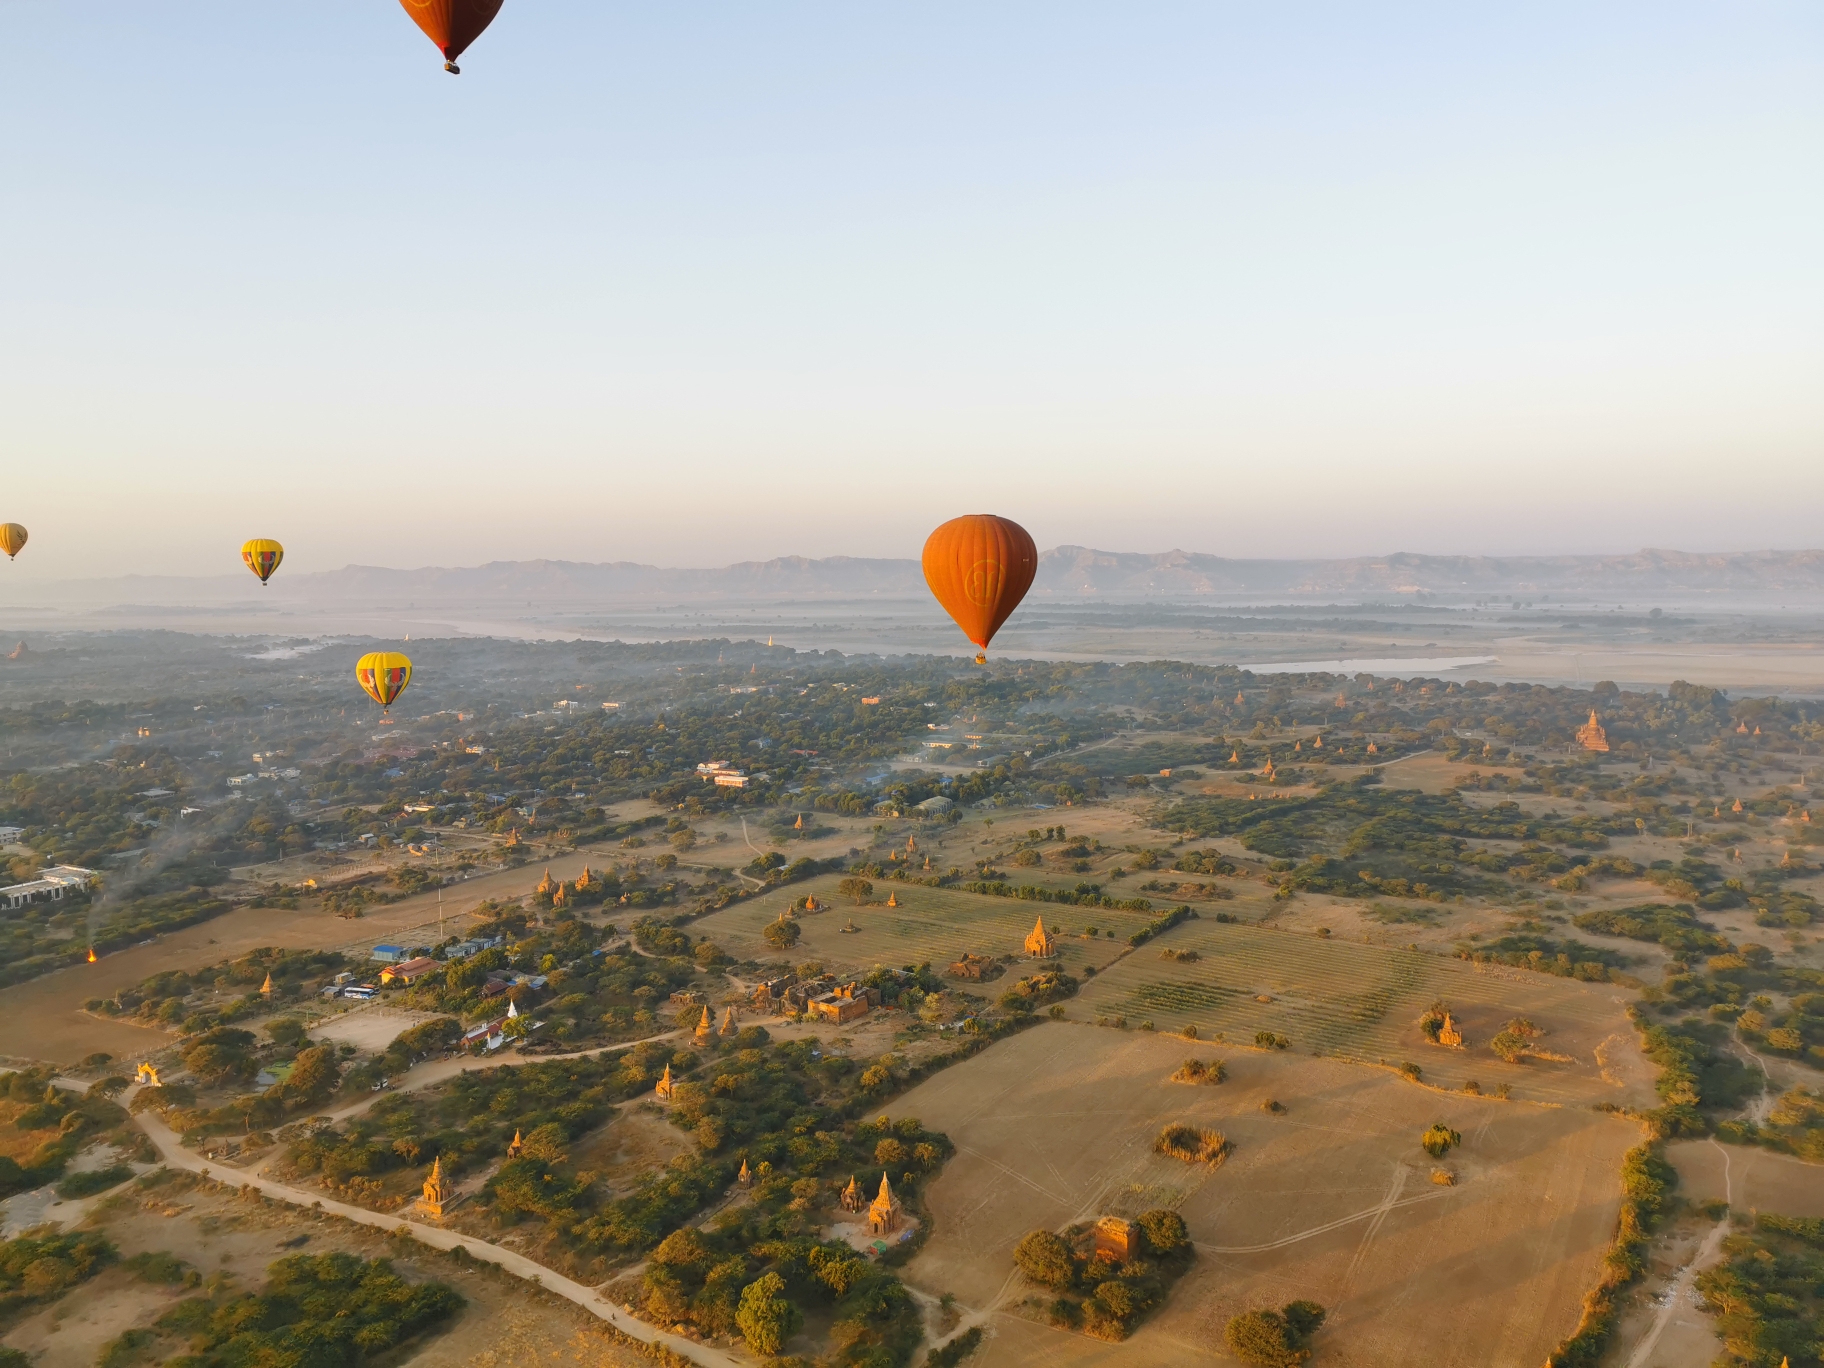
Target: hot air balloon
263, 555
12, 539
452, 24
980, 567
383, 675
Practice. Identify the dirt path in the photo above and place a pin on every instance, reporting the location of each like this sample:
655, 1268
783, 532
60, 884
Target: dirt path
1687, 1277
174, 1154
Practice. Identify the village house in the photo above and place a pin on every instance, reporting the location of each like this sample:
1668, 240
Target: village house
50, 886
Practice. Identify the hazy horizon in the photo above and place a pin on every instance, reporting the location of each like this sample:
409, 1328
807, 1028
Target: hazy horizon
643, 283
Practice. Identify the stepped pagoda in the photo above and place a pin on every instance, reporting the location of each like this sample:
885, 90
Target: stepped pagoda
1449, 1035
664, 1090
851, 1195
705, 1029
436, 1192
1039, 944
266, 987
886, 1213
1591, 736
728, 1027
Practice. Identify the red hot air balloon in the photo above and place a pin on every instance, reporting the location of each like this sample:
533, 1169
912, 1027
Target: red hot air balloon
980, 567
452, 24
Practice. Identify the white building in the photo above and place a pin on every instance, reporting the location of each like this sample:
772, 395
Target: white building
50, 886
10, 834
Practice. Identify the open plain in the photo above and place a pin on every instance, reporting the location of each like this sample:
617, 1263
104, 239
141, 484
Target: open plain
1333, 1200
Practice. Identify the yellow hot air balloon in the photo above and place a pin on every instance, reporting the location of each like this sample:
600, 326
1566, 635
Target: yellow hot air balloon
12, 539
263, 555
383, 675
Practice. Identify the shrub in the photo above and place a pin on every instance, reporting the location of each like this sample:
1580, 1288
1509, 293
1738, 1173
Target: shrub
953, 1353
1198, 1071
93, 1181
1275, 1339
1268, 1040
1439, 1140
1193, 1144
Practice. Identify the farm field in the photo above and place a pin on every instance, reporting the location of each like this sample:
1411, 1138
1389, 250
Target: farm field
1332, 1200
1355, 1001
935, 924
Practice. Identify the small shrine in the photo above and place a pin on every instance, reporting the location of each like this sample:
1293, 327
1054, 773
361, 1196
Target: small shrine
728, 1028
666, 1086
705, 1029
1115, 1239
1449, 1035
892, 899
851, 1195
516, 1146
1736, 806
1039, 943
1591, 736
545, 885
149, 1076
885, 1215
746, 1177
849, 928
796, 826
1318, 744
436, 1193
586, 880
266, 987
1373, 749
1234, 757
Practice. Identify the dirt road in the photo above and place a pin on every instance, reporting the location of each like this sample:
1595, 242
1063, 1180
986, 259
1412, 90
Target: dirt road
588, 1298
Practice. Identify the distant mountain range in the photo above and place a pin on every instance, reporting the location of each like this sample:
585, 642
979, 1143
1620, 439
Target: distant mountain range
1073, 572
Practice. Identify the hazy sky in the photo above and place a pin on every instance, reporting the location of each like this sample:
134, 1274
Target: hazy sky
692, 283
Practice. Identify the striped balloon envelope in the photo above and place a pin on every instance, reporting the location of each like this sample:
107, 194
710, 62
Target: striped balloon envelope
262, 555
383, 676
12, 539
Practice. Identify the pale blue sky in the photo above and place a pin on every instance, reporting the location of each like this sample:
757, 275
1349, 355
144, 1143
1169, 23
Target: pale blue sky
694, 283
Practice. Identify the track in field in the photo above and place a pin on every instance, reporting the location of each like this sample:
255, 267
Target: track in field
1359, 1001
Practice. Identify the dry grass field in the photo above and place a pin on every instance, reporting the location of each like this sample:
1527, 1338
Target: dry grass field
934, 924
1758, 1179
1356, 1001
1331, 1200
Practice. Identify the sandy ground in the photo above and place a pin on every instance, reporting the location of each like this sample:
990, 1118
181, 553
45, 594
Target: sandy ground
1759, 1180
505, 1322
370, 1029
1332, 1200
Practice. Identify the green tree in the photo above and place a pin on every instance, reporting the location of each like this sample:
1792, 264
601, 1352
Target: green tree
765, 1317
1045, 1258
1164, 1229
1260, 1337
859, 889
782, 934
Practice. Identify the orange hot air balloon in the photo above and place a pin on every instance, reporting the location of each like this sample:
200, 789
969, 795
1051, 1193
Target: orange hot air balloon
263, 555
980, 567
452, 24
12, 539
383, 675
